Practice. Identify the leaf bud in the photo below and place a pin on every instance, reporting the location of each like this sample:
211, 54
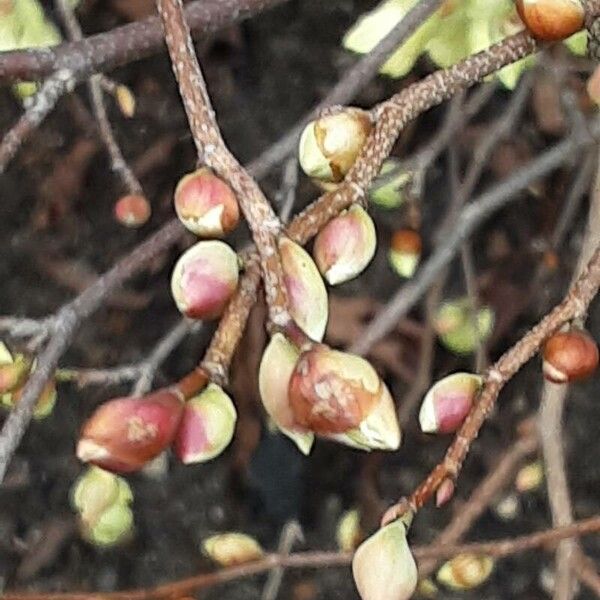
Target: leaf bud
346, 245
551, 20
276, 367
569, 356
388, 189
444, 493
206, 205
125, 100
348, 533
232, 548
383, 566
465, 571
204, 279
448, 402
330, 145
132, 210
405, 252
306, 291
206, 427
123, 434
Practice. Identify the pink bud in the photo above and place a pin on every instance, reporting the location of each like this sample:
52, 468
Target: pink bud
444, 493
346, 245
125, 433
206, 205
132, 210
204, 279
448, 402
206, 427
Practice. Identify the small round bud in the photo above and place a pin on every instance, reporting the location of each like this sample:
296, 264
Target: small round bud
348, 533
458, 329
530, 477
206, 205
229, 549
306, 291
466, 571
276, 367
332, 391
132, 210
448, 402
45, 403
569, 356
204, 279
346, 245
13, 370
552, 20
125, 100
388, 189
123, 434
206, 427
330, 145
405, 252
383, 566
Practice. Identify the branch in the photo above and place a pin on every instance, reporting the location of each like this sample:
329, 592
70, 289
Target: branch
122, 45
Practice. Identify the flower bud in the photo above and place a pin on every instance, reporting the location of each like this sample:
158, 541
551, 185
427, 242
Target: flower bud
125, 433
276, 368
125, 100
530, 477
331, 391
348, 533
102, 501
383, 566
388, 189
465, 571
232, 548
346, 245
44, 405
206, 427
448, 402
132, 210
458, 329
13, 371
330, 145
305, 288
444, 493
593, 86
552, 20
569, 356
204, 279
405, 252
206, 205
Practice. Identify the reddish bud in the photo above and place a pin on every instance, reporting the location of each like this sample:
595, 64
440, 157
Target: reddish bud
346, 245
405, 252
13, 373
125, 433
204, 279
570, 355
206, 205
551, 20
448, 402
444, 493
44, 404
132, 210
331, 391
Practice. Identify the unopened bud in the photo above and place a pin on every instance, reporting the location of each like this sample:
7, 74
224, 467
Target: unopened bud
125, 433
206, 427
348, 532
405, 252
276, 368
346, 245
570, 356
330, 145
530, 477
552, 20
44, 405
132, 210
448, 402
388, 189
461, 329
206, 205
232, 548
204, 279
444, 493
466, 571
383, 566
13, 371
593, 86
305, 288
125, 100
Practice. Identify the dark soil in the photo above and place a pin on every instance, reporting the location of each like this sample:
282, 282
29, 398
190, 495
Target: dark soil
263, 75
